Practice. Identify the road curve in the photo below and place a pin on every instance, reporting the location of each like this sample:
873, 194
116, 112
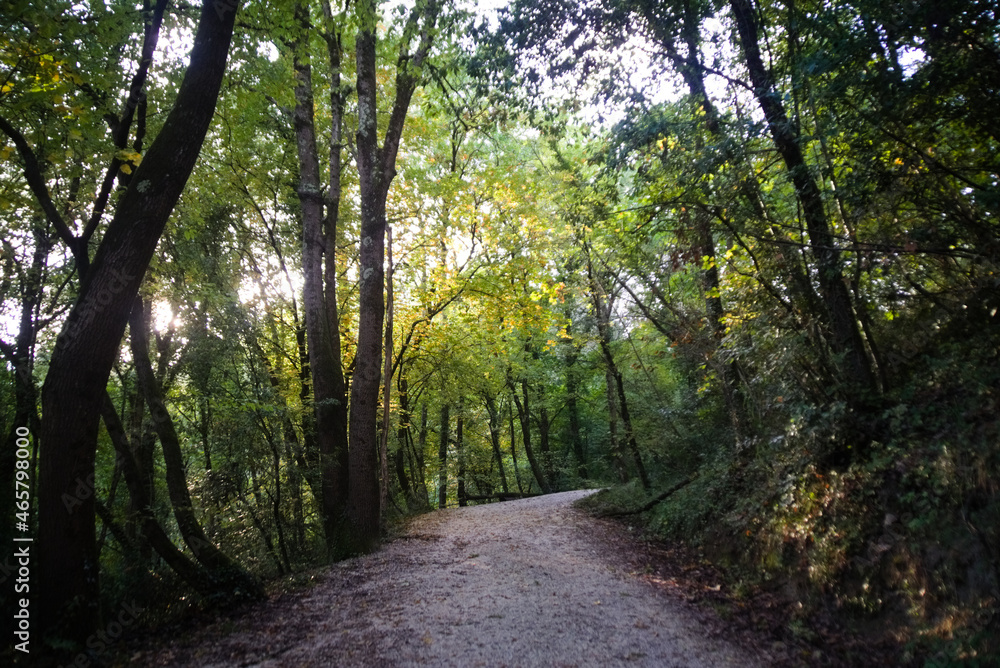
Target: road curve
508, 585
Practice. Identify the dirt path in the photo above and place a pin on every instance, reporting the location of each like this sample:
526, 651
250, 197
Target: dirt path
523, 583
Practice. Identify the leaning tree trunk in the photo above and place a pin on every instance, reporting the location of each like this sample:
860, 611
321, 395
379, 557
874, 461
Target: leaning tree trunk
524, 415
231, 580
67, 566
494, 424
142, 504
838, 313
602, 310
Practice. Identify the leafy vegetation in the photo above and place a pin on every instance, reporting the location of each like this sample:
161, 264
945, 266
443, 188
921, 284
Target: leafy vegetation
737, 262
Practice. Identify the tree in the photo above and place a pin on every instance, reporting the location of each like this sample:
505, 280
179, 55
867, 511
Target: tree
319, 263
81, 363
229, 578
837, 314
376, 169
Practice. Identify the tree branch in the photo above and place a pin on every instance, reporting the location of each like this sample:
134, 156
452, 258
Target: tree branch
33, 174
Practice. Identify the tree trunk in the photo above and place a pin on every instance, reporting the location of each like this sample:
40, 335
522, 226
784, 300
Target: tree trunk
491, 409
336, 471
386, 377
322, 331
693, 74
405, 453
363, 502
443, 437
617, 401
152, 532
633, 446
221, 568
838, 313
67, 566
421, 451
22, 360
544, 432
284, 564
376, 170
614, 444
524, 415
460, 453
513, 451
572, 407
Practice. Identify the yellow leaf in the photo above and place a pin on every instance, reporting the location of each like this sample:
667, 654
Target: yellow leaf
128, 155
127, 168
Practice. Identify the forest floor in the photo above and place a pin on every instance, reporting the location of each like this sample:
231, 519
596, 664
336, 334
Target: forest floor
533, 582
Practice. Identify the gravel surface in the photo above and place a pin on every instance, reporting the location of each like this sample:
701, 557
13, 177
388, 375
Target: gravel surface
533, 582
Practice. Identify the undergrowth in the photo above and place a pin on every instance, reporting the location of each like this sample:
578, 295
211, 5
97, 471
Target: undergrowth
901, 543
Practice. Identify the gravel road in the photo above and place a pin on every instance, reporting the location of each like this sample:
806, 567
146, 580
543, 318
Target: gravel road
533, 582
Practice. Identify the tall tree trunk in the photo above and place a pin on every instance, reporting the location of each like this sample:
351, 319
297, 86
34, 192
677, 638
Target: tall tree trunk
837, 312
322, 335
336, 472
444, 436
67, 566
692, 71
376, 170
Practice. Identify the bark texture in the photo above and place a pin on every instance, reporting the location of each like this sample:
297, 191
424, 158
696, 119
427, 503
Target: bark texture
67, 566
329, 390
376, 170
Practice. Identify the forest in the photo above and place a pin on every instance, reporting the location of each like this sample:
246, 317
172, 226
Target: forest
278, 274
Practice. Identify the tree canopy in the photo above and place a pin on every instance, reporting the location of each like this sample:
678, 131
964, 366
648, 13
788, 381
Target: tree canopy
277, 274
